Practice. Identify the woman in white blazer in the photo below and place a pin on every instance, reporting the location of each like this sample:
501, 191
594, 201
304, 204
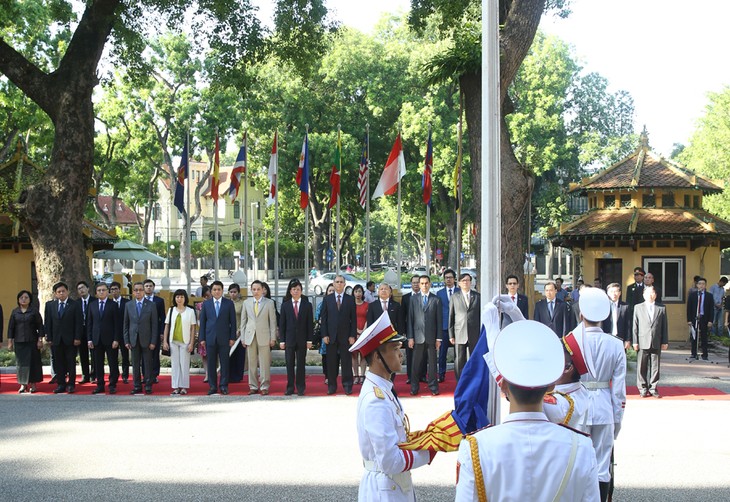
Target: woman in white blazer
180, 341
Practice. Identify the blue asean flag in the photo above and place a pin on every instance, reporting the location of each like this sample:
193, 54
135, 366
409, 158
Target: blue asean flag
472, 391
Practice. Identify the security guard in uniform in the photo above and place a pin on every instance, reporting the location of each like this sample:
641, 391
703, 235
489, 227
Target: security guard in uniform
527, 457
381, 422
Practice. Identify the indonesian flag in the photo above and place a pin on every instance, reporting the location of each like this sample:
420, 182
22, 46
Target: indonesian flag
303, 173
239, 169
427, 170
335, 175
362, 179
273, 166
395, 169
216, 171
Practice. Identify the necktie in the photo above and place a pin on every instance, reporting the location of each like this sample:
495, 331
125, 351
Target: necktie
513, 298
450, 291
339, 301
385, 306
256, 307
83, 302
699, 305
550, 308
614, 318
217, 308
296, 309
61, 308
425, 302
101, 309
139, 308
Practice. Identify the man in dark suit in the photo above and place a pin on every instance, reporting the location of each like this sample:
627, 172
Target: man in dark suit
296, 326
635, 291
464, 322
63, 324
650, 337
444, 295
553, 313
140, 336
700, 310
339, 330
405, 305
618, 323
424, 332
385, 301
149, 294
86, 357
513, 285
104, 335
217, 334
115, 291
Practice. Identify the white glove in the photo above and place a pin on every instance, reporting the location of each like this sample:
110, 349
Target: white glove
505, 304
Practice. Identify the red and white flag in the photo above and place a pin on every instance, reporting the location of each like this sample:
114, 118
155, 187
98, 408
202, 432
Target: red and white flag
273, 166
395, 169
362, 178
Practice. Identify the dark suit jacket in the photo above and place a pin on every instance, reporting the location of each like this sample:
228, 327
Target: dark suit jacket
404, 306
375, 310
708, 311
160, 305
561, 321
650, 334
140, 330
122, 305
624, 322
339, 324
521, 304
104, 328
221, 329
425, 326
634, 296
68, 327
465, 320
296, 331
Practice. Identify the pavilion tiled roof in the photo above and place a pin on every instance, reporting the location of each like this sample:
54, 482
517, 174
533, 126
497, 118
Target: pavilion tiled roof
96, 235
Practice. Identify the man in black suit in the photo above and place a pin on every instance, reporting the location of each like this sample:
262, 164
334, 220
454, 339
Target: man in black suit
296, 326
140, 335
700, 311
385, 301
63, 324
424, 332
149, 294
405, 305
464, 322
218, 334
86, 357
104, 335
635, 291
339, 330
618, 323
115, 291
553, 313
513, 284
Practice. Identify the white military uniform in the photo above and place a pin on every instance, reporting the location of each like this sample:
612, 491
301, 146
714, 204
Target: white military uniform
527, 458
381, 425
606, 394
568, 405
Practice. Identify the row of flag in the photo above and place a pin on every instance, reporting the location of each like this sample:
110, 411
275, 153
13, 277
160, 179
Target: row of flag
395, 169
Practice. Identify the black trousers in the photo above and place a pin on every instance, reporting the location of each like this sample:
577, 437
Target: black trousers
125, 360
338, 352
65, 362
296, 357
85, 360
112, 356
216, 352
421, 350
141, 354
701, 336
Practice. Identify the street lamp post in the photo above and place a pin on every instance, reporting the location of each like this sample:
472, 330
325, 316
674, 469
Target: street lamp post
253, 255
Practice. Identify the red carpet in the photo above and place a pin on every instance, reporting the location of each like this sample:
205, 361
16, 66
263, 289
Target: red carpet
315, 386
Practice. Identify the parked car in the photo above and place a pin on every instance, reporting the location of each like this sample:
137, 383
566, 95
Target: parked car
378, 266
419, 270
319, 284
107, 278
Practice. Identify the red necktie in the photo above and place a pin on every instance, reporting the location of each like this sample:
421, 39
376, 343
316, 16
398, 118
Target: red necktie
296, 309
513, 299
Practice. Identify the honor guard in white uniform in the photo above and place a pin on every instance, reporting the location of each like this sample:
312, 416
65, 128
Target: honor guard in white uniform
607, 386
527, 458
381, 422
568, 403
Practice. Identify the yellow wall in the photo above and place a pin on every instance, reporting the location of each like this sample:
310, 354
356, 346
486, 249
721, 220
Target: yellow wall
15, 270
702, 261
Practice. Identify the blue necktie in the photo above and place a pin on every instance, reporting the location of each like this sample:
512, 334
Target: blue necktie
101, 309
550, 308
425, 301
61, 308
139, 308
217, 308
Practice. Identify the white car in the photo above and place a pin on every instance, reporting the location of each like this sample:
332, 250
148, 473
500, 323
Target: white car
319, 284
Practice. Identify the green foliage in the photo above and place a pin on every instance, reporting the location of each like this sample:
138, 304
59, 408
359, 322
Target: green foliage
708, 152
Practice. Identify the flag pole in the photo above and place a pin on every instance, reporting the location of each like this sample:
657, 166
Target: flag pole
367, 202
337, 226
458, 190
216, 157
244, 211
276, 218
428, 214
187, 219
306, 224
398, 267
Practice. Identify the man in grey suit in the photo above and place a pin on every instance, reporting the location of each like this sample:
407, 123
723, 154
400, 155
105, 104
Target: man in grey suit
140, 336
425, 323
650, 338
464, 322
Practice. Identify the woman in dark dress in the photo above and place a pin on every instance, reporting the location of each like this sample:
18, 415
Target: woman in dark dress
25, 335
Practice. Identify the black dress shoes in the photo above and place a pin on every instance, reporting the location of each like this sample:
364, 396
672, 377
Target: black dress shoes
59, 390
414, 393
212, 391
300, 393
442, 378
288, 392
136, 390
71, 389
435, 393
348, 390
148, 390
54, 380
224, 391
112, 389
330, 391
98, 390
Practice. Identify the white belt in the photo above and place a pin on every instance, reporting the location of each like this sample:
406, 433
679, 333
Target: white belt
597, 385
402, 479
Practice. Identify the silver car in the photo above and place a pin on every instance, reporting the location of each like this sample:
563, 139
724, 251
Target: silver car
319, 284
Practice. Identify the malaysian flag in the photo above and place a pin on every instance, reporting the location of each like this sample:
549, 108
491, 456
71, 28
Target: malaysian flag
362, 179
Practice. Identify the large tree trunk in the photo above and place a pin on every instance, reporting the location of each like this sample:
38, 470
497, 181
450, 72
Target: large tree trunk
52, 210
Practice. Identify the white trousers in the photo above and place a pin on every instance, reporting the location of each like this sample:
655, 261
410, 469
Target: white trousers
180, 365
602, 437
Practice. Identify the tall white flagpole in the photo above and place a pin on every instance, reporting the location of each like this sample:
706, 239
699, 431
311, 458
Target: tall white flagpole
367, 203
215, 205
428, 210
491, 244
276, 216
188, 220
244, 210
306, 220
337, 225
400, 258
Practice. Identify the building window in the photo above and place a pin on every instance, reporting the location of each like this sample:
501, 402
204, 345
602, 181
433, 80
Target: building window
211, 236
158, 236
236, 210
668, 199
696, 201
193, 235
609, 201
626, 201
680, 244
648, 200
236, 237
668, 276
686, 201
157, 212
646, 244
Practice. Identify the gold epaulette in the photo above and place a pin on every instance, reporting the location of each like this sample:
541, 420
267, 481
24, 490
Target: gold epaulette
378, 393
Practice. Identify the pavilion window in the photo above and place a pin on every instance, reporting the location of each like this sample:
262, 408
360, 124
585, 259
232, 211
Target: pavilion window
626, 201
668, 199
668, 276
609, 201
648, 200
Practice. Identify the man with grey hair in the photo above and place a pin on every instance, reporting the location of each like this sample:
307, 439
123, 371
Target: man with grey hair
651, 336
